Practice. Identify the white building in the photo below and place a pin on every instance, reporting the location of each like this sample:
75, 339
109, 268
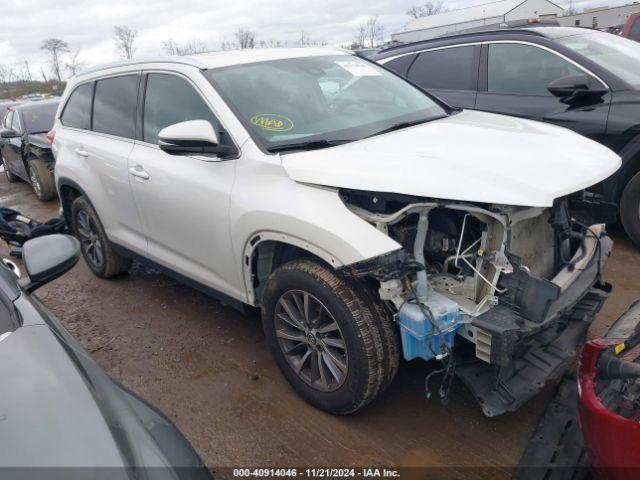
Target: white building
600, 17
478, 16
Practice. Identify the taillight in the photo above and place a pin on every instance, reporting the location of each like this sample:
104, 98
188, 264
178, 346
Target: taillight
51, 136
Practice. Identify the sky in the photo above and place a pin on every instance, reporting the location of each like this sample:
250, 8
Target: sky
88, 25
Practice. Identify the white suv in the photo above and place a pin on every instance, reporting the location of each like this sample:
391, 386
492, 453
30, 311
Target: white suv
366, 219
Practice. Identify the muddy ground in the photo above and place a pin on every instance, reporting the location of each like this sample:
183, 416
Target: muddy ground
207, 367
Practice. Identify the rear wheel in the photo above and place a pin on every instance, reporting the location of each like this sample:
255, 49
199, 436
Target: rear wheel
630, 209
96, 249
11, 178
324, 335
42, 180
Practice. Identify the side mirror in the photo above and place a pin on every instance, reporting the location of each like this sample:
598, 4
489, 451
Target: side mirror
48, 257
193, 136
8, 133
572, 86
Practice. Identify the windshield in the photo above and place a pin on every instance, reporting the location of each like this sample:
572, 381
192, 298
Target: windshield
39, 119
619, 55
336, 98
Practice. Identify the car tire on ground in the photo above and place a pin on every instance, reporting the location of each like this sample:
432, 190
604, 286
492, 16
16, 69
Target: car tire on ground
630, 209
327, 335
11, 178
42, 180
96, 249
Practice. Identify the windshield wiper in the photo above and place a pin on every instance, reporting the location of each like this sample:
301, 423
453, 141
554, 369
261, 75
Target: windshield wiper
401, 125
312, 145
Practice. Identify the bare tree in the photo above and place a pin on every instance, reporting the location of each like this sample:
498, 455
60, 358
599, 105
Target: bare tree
55, 48
361, 37
125, 38
27, 71
73, 64
304, 39
246, 38
171, 47
430, 7
44, 76
227, 45
570, 10
375, 32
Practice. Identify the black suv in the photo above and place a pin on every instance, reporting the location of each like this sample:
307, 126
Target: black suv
582, 79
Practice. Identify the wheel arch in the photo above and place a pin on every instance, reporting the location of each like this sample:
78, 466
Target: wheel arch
68, 191
630, 166
265, 251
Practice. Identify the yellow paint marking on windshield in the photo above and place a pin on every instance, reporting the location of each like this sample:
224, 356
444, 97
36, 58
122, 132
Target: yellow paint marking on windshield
272, 122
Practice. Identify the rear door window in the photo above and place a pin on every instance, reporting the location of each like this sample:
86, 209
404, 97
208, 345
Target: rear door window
170, 99
446, 69
114, 106
77, 112
400, 64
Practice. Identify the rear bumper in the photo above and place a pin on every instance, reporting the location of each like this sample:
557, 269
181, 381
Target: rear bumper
531, 344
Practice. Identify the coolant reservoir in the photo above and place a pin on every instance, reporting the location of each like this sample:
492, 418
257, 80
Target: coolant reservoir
419, 338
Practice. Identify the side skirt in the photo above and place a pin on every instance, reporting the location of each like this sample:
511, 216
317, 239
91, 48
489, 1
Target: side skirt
211, 292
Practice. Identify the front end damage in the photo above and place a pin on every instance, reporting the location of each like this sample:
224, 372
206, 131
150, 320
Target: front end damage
502, 295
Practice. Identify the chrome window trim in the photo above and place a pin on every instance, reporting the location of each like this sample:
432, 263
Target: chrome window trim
550, 50
417, 52
489, 42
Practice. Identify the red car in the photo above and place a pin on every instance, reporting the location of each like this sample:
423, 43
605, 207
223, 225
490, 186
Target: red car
631, 27
609, 399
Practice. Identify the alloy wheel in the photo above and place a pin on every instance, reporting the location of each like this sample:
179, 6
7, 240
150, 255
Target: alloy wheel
311, 340
34, 182
90, 240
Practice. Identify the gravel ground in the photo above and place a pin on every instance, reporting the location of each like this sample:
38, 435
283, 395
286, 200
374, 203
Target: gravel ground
207, 367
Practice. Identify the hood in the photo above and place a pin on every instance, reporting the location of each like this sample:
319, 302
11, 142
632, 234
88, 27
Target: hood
469, 156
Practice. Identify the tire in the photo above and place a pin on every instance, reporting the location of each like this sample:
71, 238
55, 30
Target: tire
42, 180
389, 333
367, 368
630, 209
103, 261
11, 178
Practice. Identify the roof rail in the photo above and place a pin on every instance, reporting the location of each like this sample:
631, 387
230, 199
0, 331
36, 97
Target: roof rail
124, 63
446, 36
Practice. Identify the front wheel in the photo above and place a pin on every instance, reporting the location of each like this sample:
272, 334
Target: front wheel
11, 178
630, 209
325, 337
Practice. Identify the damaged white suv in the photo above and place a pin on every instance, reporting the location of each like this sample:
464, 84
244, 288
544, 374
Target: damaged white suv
364, 218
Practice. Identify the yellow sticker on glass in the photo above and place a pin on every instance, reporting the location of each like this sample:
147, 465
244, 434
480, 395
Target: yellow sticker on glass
272, 122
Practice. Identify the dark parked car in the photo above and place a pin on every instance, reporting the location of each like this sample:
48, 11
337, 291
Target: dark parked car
58, 409
24, 148
582, 79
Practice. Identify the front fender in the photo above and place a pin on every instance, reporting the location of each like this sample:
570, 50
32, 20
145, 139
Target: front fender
268, 205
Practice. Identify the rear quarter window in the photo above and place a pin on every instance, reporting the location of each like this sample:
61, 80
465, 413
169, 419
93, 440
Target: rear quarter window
77, 111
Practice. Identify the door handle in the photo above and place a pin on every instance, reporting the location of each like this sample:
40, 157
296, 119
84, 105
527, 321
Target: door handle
82, 153
137, 171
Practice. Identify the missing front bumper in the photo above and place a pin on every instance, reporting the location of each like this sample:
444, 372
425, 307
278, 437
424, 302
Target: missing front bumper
521, 354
